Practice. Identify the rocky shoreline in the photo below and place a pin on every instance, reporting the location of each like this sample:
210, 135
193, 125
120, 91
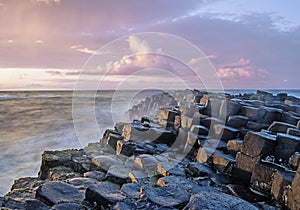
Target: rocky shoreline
184, 150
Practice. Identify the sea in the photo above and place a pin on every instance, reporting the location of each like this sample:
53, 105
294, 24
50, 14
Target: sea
34, 121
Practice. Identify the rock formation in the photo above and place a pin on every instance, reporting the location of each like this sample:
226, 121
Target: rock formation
185, 150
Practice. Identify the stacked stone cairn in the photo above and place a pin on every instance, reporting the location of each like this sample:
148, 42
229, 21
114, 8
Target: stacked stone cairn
183, 150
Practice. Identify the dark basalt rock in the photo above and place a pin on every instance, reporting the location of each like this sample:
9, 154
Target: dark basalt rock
53, 193
68, 206
280, 127
118, 174
67, 158
197, 169
237, 121
213, 200
97, 175
180, 183
81, 183
166, 196
258, 144
132, 190
225, 133
104, 194
103, 162
286, 146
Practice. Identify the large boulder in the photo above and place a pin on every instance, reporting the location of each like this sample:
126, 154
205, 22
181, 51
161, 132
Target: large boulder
280, 127
166, 196
258, 144
215, 200
53, 193
104, 194
286, 146
237, 121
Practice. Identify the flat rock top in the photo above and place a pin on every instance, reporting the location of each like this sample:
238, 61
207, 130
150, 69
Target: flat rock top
58, 192
167, 196
216, 201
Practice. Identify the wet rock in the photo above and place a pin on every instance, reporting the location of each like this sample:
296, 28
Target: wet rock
286, 146
280, 127
132, 190
118, 174
1, 201
225, 133
125, 148
213, 200
293, 196
293, 132
68, 206
104, 194
167, 196
258, 144
237, 121
103, 162
222, 162
97, 175
197, 169
281, 181
53, 193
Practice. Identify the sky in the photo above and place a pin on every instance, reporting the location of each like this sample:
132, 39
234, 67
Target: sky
47, 44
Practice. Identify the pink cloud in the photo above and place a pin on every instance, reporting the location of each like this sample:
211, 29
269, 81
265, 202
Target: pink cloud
241, 70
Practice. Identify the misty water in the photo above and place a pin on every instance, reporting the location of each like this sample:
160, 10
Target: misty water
32, 122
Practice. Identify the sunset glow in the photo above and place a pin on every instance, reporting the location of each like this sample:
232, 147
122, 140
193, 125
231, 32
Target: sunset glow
44, 44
